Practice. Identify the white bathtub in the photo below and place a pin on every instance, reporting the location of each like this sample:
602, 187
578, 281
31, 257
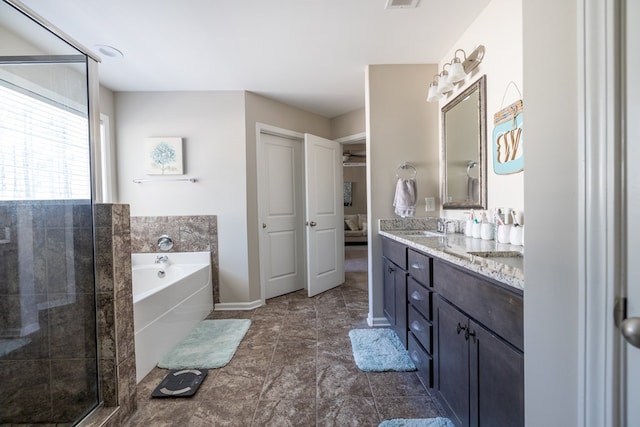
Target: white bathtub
166, 309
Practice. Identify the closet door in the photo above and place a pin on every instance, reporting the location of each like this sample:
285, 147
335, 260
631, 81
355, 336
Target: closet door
282, 240
325, 214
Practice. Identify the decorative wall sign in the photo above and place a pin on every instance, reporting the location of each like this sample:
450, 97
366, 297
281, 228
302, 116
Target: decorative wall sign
164, 156
508, 149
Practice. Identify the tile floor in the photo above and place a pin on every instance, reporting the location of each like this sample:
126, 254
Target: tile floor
294, 368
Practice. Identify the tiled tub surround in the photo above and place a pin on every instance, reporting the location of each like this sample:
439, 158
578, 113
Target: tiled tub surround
48, 367
189, 234
454, 247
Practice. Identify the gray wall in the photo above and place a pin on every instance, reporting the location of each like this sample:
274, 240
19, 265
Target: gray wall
401, 126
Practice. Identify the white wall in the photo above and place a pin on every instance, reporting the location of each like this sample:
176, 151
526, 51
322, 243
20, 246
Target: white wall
499, 29
401, 126
213, 128
551, 303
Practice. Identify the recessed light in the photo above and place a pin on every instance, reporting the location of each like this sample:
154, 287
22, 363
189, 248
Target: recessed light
109, 51
401, 4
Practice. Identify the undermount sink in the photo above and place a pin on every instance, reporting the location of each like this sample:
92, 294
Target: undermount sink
422, 233
496, 254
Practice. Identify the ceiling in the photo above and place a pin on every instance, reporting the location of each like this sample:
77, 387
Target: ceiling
311, 54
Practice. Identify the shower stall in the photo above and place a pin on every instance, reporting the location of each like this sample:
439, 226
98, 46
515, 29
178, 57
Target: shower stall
48, 334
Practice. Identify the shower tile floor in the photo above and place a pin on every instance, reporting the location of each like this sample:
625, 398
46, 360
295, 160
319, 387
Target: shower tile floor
294, 367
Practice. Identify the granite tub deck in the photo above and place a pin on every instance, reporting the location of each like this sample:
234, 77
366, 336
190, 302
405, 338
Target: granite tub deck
455, 248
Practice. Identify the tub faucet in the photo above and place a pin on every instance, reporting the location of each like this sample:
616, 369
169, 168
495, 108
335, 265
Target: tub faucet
160, 259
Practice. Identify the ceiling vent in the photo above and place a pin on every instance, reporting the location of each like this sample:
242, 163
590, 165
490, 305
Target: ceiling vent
401, 4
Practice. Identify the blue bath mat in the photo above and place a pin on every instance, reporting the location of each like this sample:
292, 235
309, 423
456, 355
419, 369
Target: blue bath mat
418, 422
211, 344
379, 350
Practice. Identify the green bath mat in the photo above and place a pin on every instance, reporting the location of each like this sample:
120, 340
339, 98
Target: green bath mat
379, 350
211, 344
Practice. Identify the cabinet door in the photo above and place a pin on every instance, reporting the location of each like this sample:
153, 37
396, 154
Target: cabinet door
452, 351
389, 291
400, 283
496, 379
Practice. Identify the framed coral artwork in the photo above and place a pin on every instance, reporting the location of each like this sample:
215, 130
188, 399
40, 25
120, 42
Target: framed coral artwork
164, 156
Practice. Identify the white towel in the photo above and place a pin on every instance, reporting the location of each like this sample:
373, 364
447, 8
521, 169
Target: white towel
404, 201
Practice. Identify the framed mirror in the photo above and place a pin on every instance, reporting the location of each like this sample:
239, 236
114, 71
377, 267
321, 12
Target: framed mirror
464, 144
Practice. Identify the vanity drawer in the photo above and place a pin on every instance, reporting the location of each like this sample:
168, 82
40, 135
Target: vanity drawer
421, 328
495, 307
420, 298
420, 267
422, 360
395, 252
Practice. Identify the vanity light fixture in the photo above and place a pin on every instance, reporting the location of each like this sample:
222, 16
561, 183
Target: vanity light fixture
458, 71
433, 94
444, 83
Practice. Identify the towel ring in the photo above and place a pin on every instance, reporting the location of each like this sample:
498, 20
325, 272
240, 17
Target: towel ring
406, 167
470, 165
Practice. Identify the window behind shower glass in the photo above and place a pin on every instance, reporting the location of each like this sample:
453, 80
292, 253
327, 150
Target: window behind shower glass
44, 153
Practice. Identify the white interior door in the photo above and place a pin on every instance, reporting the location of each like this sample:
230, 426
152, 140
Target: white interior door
631, 375
325, 214
282, 211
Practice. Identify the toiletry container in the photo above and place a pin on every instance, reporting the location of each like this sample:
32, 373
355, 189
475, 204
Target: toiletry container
468, 225
486, 231
475, 230
515, 235
504, 233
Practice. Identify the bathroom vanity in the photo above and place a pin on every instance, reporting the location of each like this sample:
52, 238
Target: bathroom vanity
457, 305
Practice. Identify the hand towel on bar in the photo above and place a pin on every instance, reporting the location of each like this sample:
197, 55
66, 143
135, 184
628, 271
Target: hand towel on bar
405, 198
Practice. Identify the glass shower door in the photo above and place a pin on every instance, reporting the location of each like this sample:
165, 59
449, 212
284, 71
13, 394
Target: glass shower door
48, 337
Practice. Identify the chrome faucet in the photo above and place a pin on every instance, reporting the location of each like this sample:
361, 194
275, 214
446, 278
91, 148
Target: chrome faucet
443, 224
161, 259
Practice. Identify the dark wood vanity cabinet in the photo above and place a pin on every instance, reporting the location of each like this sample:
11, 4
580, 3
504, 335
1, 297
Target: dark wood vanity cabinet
463, 331
480, 374
394, 264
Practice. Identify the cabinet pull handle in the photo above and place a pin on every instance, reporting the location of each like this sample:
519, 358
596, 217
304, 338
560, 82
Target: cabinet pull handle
469, 333
417, 266
416, 325
390, 270
461, 328
415, 295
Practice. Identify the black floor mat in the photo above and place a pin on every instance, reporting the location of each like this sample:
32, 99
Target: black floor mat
180, 383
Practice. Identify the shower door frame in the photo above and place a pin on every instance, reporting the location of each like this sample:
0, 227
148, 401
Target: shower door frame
93, 122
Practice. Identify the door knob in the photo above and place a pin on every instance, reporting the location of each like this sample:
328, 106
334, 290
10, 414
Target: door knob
630, 329
264, 225
313, 224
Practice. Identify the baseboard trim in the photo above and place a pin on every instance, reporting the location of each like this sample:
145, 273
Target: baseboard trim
238, 306
377, 322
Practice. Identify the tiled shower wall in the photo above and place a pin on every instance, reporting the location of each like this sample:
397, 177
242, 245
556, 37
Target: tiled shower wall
47, 312
189, 233
115, 309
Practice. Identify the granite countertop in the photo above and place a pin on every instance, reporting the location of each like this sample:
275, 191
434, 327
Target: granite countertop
456, 248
